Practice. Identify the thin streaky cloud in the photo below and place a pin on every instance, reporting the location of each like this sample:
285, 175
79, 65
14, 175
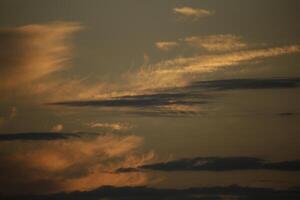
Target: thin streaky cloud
183, 70
181, 101
111, 126
217, 43
219, 164
191, 12
166, 45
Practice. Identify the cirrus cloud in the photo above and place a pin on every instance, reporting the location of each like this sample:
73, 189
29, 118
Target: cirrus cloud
34, 51
225, 42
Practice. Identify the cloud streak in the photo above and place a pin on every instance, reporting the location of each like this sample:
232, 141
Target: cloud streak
37, 136
217, 43
110, 126
219, 164
194, 13
183, 101
166, 46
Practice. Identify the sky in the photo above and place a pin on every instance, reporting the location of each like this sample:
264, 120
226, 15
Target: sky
140, 97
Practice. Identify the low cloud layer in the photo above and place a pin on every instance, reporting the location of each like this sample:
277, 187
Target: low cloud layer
219, 164
205, 193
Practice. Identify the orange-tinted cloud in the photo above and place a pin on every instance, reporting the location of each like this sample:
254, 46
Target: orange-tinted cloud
32, 52
71, 164
57, 128
111, 126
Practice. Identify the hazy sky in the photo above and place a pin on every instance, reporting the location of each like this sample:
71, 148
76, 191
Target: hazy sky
165, 94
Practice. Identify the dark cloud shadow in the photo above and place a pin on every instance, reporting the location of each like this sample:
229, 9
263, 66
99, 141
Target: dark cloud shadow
43, 136
246, 84
219, 164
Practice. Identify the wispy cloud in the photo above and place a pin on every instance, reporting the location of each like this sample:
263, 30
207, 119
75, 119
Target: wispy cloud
165, 45
34, 51
57, 128
183, 70
110, 126
226, 42
12, 113
194, 13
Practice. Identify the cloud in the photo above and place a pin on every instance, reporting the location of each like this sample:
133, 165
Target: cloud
217, 43
12, 113
200, 193
38, 136
194, 13
287, 114
181, 101
159, 104
54, 162
219, 164
247, 84
35, 51
111, 126
31, 59
166, 46
57, 128
184, 70
40, 62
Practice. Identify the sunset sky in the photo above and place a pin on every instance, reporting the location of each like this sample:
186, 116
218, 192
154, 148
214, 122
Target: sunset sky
170, 94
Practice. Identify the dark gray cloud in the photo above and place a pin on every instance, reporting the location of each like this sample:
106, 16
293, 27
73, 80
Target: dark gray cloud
205, 193
139, 101
246, 84
287, 114
195, 94
219, 164
43, 136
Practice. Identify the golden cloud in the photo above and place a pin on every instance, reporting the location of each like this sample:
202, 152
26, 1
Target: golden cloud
226, 42
195, 13
181, 71
112, 126
166, 46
